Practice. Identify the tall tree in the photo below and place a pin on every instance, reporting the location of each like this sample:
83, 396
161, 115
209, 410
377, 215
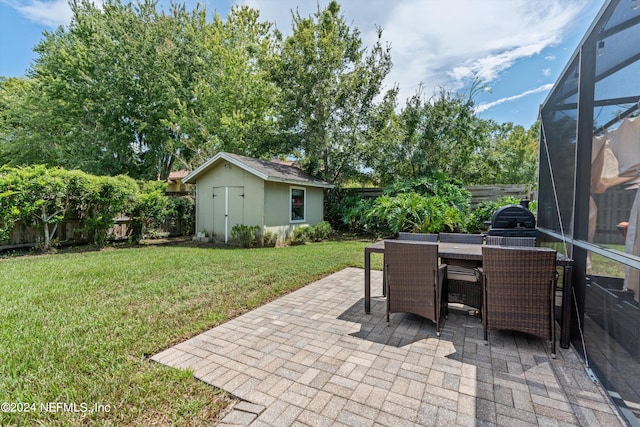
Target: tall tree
130, 89
330, 84
110, 75
30, 130
439, 134
234, 103
513, 155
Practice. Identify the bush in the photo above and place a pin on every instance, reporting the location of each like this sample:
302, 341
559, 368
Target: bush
321, 231
269, 239
245, 235
485, 210
150, 210
428, 204
182, 214
415, 213
300, 235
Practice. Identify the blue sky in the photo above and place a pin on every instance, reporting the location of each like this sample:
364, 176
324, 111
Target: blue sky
518, 47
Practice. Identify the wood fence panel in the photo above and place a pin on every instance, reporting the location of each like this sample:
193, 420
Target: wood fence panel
479, 193
614, 207
484, 193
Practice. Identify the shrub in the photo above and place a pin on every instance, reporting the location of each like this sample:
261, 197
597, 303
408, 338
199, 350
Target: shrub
245, 235
428, 204
485, 210
182, 214
150, 210
300, 235
416, 213
269, 239
321, 231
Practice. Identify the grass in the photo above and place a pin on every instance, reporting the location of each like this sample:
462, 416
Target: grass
78, 328
602, 266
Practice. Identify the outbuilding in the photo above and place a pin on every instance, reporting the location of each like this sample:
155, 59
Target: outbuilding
233, 189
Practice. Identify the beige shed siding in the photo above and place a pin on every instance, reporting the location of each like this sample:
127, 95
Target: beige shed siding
232, 176
277, 208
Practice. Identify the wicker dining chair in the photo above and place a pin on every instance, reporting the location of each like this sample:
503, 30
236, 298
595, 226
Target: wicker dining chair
511, 241
518, 291
461, 238
415, 282
421, 237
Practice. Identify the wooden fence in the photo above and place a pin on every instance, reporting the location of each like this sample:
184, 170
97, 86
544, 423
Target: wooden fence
614, 206
479, 193
483, 193
70, 233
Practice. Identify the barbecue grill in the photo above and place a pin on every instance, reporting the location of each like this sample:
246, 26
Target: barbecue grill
514, 221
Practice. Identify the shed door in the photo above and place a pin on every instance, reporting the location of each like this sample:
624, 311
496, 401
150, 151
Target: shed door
228, 210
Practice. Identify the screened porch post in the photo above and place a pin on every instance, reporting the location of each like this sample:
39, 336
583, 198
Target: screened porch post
582, 184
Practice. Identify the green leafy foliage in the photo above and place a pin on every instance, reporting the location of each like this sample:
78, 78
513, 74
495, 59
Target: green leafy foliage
512, 155
245, 235
127, 89
269, 239
484, 212
428, 204
437, 134
300, 235
346, 210
413, 212
321, 231
37, 196
105, 199
329, 83
151, 209
45, 197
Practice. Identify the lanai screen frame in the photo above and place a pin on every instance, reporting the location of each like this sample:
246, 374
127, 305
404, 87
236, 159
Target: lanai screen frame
567, 128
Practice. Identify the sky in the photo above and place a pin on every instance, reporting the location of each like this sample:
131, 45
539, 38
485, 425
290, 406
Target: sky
518, 48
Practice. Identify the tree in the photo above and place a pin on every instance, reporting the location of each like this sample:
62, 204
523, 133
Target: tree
516, 154
38, 196
30, 132
440, 134
234, 104
329, 84
126, 89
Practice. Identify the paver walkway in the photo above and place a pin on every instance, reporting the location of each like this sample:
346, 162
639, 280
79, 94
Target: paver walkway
314, 358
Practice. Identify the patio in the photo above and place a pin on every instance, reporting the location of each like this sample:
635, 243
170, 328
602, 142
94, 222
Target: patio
313, 357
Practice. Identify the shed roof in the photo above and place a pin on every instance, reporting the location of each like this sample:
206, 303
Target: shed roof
269, 171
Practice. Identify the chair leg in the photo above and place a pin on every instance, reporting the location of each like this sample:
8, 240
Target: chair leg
385, 290
486, 337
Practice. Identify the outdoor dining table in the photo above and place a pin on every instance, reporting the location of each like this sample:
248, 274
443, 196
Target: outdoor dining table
473, 252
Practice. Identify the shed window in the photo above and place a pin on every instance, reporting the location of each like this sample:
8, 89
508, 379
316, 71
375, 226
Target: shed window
298, 202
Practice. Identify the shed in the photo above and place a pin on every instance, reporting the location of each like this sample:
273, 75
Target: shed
233, 189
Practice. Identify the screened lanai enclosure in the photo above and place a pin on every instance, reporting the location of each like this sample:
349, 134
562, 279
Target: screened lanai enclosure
589, 195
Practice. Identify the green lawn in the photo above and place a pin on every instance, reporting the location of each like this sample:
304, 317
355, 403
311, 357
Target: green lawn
78, 328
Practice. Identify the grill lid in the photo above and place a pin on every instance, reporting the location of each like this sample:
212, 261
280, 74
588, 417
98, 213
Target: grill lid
513, 216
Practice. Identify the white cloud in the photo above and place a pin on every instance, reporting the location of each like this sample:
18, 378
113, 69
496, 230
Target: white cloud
546, 72
48, 13
550, 58
487, 105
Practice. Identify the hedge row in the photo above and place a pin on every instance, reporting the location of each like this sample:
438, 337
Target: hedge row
45, 197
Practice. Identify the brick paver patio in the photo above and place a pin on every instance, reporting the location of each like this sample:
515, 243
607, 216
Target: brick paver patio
314, 358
